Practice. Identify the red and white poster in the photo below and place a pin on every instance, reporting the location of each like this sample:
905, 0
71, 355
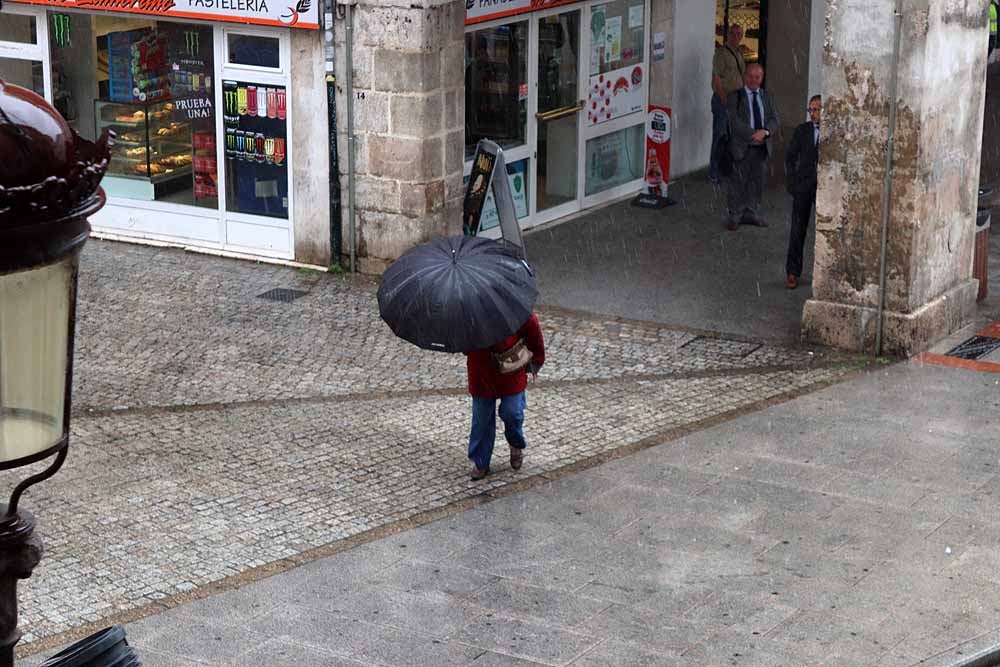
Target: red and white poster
615, 94
657, 150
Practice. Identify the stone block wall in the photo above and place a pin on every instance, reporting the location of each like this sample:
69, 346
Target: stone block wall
409, 118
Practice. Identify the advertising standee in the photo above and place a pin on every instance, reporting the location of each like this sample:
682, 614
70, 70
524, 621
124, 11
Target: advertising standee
486, 164
657, 167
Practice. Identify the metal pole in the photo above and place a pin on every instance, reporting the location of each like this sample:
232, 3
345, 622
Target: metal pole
887, 177
336, 217
349, 73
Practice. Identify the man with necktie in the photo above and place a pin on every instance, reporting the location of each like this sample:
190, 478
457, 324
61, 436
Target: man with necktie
800, 173
752, 122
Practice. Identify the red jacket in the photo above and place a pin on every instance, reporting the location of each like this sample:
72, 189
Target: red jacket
486, 382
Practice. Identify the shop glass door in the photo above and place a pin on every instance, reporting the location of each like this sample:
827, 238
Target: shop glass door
24, 49
557, 115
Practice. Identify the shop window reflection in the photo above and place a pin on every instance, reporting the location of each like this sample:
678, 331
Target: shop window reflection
253, 50
617, 35
614, 159
496, 88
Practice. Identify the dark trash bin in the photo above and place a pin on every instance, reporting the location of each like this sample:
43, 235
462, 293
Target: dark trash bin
106, 648
981, 251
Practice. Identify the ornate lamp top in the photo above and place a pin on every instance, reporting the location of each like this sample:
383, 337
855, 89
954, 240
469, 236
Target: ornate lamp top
48, 172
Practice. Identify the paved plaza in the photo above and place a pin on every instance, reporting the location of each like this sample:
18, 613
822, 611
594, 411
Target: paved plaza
219, 437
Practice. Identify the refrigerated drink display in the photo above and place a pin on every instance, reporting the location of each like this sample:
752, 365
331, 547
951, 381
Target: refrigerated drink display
256, 132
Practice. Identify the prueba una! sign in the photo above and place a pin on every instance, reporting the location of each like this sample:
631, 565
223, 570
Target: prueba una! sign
288, 13
194, 107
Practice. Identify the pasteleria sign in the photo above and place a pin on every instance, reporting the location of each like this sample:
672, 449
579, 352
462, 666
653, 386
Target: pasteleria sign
288, 13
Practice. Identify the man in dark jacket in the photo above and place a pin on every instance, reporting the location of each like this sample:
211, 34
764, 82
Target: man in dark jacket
800, 172
752, 122
487, 384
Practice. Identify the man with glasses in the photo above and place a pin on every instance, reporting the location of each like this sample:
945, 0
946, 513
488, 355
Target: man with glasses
800, 173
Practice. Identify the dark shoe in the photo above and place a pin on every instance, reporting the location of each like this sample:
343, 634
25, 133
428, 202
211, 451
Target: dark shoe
516, 458
733, 223
756, 221
791, 281
478, 474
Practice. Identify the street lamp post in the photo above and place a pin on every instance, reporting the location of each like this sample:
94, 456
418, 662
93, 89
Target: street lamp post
49, 185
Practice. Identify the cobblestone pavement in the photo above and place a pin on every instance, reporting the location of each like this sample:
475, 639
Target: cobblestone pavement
217, 434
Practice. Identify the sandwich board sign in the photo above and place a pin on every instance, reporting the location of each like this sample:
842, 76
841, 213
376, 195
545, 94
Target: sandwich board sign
486, 164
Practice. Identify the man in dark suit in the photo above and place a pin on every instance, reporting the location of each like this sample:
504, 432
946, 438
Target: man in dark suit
800, 172
752, 122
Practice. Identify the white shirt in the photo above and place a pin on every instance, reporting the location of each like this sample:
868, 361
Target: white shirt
816, 134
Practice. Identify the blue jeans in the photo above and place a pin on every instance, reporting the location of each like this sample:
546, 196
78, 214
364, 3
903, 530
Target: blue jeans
719, 120
484, 426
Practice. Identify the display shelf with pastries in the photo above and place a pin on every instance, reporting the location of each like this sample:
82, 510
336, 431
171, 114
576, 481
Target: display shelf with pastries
152, 143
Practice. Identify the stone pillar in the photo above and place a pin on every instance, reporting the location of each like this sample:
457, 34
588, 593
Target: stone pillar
929, 289
409, 118
311, 168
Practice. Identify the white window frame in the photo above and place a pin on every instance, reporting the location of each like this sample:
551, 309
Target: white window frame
37, 52
280, 76
585, 132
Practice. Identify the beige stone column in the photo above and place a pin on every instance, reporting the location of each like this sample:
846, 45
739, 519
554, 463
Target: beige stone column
409, 124
929, 289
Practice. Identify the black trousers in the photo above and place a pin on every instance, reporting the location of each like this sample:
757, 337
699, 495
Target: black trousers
802, 207
746, 184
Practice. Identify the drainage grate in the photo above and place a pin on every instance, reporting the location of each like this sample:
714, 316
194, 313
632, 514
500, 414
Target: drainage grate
711, 347
976, 347
282, 294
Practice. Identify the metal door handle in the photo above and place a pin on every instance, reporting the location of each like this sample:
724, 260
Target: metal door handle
561, 112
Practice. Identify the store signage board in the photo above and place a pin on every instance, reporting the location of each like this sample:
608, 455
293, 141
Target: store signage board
487, 162
478, 11
287, 13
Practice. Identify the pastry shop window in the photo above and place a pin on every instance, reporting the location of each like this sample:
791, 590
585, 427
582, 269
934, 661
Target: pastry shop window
256, 149
152, 84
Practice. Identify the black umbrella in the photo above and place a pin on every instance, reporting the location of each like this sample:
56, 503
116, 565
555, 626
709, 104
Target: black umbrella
456, 294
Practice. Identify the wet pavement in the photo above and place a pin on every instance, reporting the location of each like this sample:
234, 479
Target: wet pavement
824, 530
677, 266
219, 437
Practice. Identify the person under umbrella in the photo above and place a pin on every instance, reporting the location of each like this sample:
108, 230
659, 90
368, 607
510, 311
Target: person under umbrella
472, 295
501, 373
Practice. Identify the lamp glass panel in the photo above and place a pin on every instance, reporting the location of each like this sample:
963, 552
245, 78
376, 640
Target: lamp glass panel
34, 332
